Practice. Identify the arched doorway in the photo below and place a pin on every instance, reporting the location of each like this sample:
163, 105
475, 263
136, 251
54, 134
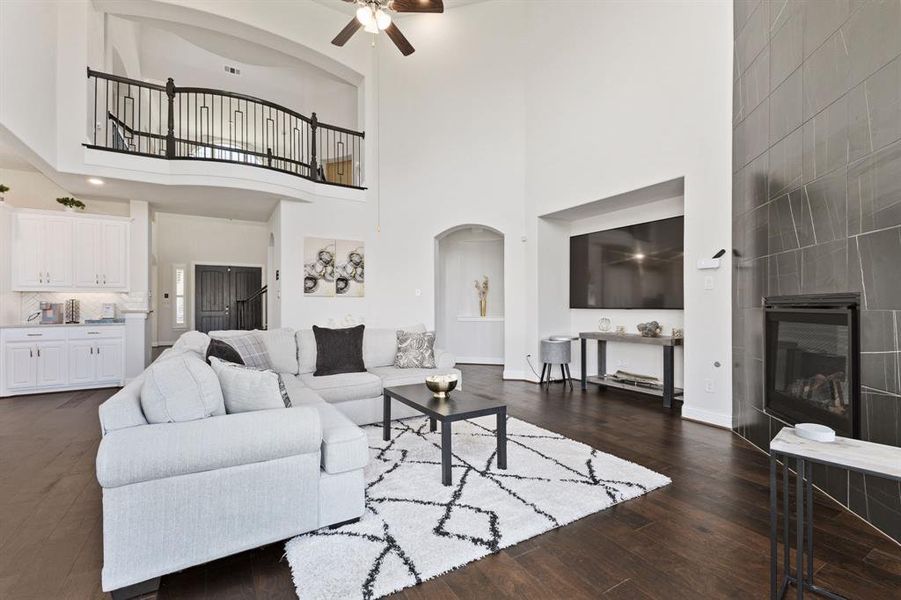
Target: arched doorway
464, 255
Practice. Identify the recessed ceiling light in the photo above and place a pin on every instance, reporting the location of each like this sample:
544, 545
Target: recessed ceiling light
638, 256
95, 181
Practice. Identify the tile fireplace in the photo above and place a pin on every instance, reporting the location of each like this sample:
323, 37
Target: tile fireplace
812, 360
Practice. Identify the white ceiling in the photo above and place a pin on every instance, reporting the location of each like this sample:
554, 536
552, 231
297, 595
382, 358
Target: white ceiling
348, 8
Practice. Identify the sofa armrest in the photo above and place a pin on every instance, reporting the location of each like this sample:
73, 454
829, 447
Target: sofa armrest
164, 450
444, 359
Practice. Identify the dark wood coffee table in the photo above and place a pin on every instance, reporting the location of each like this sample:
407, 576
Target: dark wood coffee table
458, 406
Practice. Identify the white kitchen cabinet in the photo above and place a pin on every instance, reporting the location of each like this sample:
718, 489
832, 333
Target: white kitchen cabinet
114, 255
60, 357
52, 366
88, 258
110, 359
20, 367
82, 366
69, 252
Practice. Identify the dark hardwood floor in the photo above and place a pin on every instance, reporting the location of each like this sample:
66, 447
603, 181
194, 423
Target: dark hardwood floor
703, 536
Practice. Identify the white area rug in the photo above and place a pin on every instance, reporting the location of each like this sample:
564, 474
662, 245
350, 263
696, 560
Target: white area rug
414, 528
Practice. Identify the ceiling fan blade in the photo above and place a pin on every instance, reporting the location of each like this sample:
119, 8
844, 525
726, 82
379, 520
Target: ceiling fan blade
346, 33
402, 43
417, 6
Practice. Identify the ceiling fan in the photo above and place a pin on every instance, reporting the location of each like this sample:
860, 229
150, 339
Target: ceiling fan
374, 16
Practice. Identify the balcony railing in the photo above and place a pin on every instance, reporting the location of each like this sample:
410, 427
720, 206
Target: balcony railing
189, 123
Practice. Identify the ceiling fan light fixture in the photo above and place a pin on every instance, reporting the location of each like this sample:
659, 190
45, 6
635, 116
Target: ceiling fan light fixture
382, 19
371, 27
365, 16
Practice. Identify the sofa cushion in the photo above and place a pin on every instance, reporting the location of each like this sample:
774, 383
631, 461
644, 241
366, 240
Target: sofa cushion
181, 387
246, 389
339, 350
154, 452
274, 349
344, 445
346, 386
379, 347
392, 376
299, 393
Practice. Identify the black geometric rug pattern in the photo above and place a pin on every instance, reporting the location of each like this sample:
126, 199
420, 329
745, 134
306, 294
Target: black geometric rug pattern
414, 528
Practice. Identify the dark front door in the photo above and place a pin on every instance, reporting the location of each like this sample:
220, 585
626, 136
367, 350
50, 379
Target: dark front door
216, 293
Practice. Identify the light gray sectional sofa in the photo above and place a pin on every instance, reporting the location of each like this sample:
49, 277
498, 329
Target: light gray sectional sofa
181, 494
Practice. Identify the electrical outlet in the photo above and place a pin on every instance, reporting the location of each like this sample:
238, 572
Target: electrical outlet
708, 282
708, 386
418, 292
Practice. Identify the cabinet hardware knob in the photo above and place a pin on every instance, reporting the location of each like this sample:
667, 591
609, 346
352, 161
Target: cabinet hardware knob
35, 334
30, 353
98, 349
39, 352
92, 349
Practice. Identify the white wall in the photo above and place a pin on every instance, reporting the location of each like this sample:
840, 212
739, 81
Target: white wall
28, 54
649, 83
464, 256
639, 93
187, 240
636, 358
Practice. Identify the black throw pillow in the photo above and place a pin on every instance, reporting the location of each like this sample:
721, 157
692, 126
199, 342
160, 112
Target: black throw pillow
339, 350
223, 351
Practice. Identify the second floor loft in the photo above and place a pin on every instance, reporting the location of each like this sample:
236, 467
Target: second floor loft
192, 123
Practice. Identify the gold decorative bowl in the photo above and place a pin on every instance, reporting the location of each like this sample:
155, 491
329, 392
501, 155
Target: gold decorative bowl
441, 385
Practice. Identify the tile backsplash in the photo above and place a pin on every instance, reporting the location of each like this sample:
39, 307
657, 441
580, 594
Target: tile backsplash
91, 303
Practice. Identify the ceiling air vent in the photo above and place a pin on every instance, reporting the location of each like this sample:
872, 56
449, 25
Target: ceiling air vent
232, 70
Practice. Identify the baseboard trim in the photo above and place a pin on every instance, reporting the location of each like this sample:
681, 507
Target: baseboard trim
706, 417
510, 374
479, 360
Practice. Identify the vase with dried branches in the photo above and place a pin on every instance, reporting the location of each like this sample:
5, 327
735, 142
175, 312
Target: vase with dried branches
482, 291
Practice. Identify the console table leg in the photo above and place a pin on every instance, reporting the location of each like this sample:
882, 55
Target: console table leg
786, 542
799, 525
668, 368
774, 509
809, 477
386, 418
584, 363
446, 452
602, 358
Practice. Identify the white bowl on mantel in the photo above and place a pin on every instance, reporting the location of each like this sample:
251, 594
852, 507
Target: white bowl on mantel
815, 432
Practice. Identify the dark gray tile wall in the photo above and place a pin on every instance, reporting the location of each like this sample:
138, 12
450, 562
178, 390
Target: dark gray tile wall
816, 203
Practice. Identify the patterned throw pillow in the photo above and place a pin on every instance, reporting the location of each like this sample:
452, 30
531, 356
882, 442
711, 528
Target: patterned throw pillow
415, 350
252, 349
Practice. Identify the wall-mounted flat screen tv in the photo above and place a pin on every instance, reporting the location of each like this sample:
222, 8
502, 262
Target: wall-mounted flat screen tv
638, 266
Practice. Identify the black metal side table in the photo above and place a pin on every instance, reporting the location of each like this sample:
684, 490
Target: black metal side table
855, 455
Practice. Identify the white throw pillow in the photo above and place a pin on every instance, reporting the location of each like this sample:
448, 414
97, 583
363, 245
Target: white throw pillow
246, 389
181, 387
195, 341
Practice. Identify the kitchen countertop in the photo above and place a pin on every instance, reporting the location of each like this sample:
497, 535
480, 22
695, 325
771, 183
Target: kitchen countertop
38, 325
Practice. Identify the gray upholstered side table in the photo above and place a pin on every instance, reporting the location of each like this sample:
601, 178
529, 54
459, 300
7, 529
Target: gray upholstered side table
556, 352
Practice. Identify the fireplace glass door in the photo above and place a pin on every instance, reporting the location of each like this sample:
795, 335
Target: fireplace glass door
811, 367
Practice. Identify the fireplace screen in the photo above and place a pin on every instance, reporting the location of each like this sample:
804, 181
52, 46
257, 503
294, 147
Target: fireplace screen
811, 366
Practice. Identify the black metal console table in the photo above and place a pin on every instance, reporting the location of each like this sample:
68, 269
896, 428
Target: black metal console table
668, 390
855, 455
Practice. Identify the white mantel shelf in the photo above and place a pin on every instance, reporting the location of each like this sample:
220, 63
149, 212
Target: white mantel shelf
847, 453
476, 318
